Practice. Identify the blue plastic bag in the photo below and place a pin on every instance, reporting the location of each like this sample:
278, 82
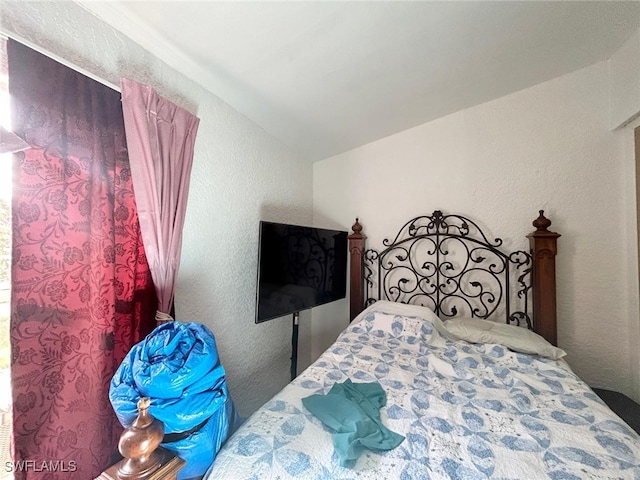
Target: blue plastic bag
178, 368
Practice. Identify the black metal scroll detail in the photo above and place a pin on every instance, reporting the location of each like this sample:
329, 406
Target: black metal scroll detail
447, 263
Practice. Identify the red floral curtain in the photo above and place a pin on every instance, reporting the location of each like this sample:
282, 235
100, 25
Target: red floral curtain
82, 293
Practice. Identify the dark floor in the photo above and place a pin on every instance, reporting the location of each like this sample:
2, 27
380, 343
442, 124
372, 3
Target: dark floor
623, 406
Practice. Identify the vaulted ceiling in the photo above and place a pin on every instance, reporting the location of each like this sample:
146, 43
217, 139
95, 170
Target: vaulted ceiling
326, 77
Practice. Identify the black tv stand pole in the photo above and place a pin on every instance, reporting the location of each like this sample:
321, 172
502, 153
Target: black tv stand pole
294, 346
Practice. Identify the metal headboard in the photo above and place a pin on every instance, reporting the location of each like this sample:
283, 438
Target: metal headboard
447, 263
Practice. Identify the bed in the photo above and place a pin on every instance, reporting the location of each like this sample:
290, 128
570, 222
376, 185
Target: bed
465, 410
443, 322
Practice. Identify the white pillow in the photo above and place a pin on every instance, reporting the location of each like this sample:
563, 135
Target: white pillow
396, 308
518, 339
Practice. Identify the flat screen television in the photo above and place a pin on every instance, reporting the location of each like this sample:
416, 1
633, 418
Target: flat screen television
298, 268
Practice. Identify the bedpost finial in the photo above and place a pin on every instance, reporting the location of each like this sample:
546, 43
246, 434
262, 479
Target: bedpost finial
542, 223
144, 403
139, 442
356, 227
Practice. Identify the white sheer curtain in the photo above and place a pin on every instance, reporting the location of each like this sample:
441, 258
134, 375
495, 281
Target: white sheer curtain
160, 141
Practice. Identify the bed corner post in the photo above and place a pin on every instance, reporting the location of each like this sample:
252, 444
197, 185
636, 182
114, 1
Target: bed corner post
543, 244
356, 280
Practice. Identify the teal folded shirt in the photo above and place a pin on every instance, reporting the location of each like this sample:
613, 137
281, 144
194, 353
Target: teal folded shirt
352, 411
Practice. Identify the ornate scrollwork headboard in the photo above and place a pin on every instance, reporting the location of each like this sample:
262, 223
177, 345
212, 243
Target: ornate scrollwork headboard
447, 263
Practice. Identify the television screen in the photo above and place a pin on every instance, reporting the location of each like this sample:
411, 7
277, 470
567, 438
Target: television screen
299, 268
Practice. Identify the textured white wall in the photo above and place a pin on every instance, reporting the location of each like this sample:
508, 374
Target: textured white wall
548, 147
624, 89
240, 175
624, 74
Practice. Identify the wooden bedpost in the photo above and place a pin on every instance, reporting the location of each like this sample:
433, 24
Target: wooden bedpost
543, 244
143, 458
356, 283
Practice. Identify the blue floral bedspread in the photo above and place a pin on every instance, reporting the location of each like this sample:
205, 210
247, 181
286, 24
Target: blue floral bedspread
468, 411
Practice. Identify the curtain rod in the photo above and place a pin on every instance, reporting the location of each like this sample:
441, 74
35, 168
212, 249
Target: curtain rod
6, 35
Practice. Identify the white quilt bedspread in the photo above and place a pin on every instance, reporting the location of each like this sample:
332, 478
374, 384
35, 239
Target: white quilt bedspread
467, 412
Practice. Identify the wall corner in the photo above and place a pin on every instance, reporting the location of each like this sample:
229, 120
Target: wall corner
624, 83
